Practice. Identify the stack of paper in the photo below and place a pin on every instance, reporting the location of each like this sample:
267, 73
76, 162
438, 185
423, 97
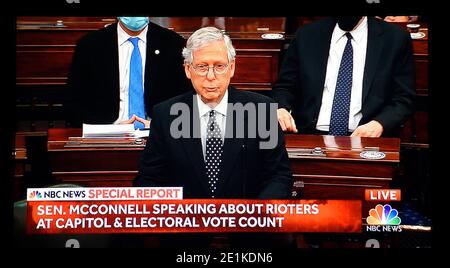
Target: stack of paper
108, 131
141, 133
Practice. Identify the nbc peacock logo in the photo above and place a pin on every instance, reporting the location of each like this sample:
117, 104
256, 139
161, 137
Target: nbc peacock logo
383, 218
35, 195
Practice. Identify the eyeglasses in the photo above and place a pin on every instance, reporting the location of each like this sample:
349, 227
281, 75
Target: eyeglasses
203, 69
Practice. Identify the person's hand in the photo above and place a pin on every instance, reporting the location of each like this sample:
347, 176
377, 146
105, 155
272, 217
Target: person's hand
372, 129
286, 120
143, 121
136, 118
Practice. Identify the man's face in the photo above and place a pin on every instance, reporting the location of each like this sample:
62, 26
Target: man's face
212, 86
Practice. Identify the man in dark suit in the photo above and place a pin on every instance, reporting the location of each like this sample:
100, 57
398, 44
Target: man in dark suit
100, 80
346, 76
214, 164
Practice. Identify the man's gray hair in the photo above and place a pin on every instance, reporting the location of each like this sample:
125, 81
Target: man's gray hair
204, 36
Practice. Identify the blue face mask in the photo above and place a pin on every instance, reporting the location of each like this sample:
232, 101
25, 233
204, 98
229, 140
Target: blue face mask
134, 23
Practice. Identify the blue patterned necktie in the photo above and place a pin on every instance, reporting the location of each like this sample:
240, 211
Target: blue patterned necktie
136, 87
213, 151
341, 102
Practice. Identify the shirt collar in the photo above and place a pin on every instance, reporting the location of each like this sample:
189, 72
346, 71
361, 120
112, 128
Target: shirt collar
357, 34
221, 108
123, 36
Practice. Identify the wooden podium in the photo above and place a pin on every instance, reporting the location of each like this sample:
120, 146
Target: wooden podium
91, 166
335, 171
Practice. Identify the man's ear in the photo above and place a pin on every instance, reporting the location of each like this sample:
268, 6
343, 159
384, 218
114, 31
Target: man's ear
232, 67
186, 70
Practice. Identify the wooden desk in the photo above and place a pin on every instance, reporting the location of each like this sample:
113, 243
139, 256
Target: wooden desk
43, 56
341, 174
91, 166
415, 130
20, 165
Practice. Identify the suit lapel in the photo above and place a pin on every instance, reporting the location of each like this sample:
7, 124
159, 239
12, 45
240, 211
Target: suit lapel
321, 58
374, 48
232, 146
154, 53
193, 146
111, 64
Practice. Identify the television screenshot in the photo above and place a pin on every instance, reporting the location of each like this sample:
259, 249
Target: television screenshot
244, 135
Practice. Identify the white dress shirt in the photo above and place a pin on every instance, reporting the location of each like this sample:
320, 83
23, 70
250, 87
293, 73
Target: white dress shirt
221, 113
338, 42
125, 51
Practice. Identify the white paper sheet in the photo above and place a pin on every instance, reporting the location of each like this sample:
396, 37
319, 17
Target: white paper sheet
108, 130
141, 133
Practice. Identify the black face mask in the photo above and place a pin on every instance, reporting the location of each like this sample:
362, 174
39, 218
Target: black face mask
347, 23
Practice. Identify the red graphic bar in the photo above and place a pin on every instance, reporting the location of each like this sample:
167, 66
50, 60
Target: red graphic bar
193, 215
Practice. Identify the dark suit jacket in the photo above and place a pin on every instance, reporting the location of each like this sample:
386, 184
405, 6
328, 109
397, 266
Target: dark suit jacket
94, 75
388, 83
246, 171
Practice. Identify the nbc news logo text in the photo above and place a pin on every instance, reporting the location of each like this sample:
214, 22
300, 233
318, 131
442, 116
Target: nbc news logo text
383, 219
